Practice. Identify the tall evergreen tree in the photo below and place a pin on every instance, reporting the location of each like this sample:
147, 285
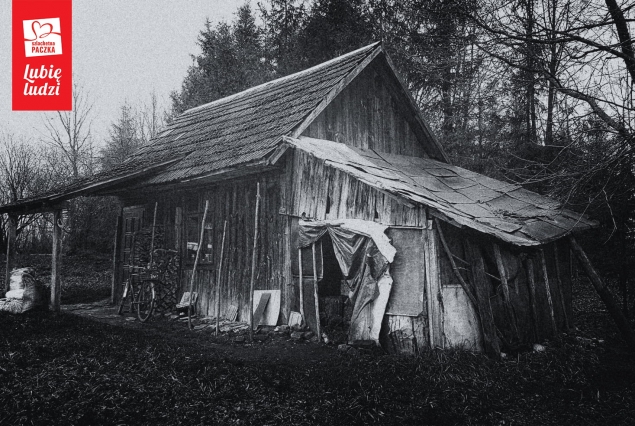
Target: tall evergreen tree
124, 138
231, 60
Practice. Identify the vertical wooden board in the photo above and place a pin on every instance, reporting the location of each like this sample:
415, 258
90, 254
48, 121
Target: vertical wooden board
433, 295
518, 294
544, 327
531, 280
564, 255
56, 262
461, 326
116, 260
554, 268
482, 287
547, 288
408, 273
420, 331
309, 303
335, 192
400, 336
344, 194
271, 310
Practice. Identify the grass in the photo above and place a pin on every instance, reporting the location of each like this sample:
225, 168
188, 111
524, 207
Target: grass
62, 369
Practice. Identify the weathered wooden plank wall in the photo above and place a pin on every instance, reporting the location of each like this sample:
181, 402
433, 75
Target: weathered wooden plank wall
322, 192
235, 202
522, 328
367, 115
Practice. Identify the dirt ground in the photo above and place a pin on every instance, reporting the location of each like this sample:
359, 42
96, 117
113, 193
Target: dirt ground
89, 366
267, 346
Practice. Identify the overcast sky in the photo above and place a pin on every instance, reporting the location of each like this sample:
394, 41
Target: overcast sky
122, 49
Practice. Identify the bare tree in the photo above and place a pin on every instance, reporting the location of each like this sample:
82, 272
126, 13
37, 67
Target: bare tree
150, 119
20, 177
70, 133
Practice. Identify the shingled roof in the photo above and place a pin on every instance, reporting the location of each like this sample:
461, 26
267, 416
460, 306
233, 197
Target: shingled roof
234, 131
247, 130
503, 210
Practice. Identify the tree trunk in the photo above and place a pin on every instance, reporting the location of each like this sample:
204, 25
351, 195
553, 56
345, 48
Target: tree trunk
626, 42
12, 224
606, 296
56, 262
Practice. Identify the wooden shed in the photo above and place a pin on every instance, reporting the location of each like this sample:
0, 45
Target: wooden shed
342, 146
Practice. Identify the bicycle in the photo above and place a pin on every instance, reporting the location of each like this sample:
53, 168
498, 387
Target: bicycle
143, 294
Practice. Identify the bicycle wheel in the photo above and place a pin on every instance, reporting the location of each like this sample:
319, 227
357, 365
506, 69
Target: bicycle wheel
145, 300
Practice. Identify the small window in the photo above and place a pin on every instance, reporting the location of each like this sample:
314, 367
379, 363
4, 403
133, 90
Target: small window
193, 219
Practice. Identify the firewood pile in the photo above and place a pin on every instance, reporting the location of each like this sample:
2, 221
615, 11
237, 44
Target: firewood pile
165, 266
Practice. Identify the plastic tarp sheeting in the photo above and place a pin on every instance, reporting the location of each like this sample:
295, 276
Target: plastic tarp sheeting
364, 254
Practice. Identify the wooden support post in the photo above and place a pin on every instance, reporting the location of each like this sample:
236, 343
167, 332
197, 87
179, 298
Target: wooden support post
545, 275
253, 265
178, 230
12, 224
559, 284
198, 253
154, 225
287, 252
606, 296
116, 260
482, 285
56, 261
301, 285
505, 285
432, 286
532, 295
315, 295
220, 272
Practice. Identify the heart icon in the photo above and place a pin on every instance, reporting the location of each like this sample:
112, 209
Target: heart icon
41, 31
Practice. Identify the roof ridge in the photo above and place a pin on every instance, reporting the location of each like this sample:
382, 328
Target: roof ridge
314, 68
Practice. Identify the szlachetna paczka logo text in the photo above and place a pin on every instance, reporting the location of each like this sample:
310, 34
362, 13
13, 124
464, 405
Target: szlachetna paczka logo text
42, 55
42, 37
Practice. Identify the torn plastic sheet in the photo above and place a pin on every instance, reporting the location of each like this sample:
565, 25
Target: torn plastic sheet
364, 254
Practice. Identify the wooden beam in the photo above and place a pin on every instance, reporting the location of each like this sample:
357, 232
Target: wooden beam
116, 259
545, 275
287, 273
12, 224
178, 232
502, 272
433, 291
482, 285
218, 279
301, 285
56, 261
531, 280
198, 254
559, 284
253, 265
605, 294
315, 295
